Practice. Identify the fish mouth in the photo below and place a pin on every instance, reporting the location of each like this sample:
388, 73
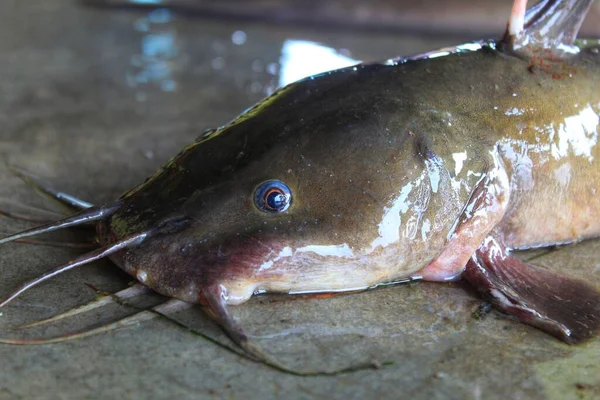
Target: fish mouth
176, 263
183, 266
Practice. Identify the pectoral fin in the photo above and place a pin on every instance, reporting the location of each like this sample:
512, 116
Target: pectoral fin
484, 209
564, 307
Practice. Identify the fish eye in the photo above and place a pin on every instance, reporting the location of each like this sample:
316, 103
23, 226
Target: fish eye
273, 196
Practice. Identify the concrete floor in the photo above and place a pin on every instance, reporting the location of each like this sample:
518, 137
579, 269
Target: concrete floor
94, 100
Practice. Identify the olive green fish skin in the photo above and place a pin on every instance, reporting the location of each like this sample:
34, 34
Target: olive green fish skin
381, 161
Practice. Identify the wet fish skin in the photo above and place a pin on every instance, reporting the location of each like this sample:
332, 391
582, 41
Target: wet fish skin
348, 143
343, 177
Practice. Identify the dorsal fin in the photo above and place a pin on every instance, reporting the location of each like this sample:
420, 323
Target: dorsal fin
550, 26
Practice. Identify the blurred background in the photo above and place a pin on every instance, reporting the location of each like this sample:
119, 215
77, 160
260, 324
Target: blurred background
441, 17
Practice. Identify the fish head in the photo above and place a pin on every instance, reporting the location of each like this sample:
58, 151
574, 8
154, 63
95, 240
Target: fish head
324, 186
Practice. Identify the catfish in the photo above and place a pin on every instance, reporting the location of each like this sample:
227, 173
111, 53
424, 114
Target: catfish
432, 167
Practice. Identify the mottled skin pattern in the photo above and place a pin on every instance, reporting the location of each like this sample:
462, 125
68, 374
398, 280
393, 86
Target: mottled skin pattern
381, 161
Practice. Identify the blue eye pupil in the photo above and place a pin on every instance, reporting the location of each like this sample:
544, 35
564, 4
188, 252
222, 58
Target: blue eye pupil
276, 200
273, 197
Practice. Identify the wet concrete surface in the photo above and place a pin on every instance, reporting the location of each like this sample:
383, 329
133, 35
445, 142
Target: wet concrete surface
93, 101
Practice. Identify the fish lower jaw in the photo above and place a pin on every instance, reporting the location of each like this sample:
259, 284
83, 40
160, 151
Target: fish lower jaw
241, 291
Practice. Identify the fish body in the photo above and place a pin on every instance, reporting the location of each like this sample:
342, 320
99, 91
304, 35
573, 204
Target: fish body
381, 161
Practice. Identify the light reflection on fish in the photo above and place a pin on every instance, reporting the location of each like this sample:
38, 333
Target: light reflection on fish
429, 167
